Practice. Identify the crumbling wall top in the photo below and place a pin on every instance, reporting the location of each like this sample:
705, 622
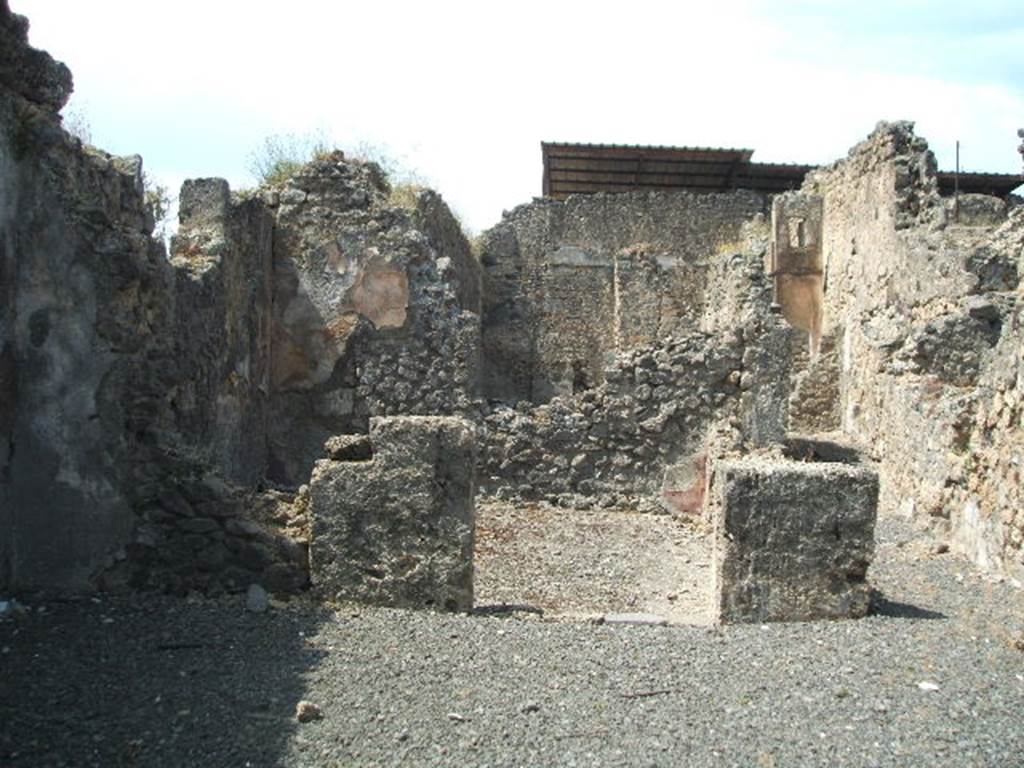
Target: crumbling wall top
34, 75
893, 153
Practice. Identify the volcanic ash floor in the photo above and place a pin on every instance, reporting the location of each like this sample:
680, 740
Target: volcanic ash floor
587, 564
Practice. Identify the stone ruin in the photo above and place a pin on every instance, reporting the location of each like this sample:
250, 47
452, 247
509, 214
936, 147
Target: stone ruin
393, 515
314, 384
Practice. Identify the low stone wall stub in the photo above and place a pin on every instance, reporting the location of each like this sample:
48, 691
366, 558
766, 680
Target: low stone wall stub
793, 540
397, 528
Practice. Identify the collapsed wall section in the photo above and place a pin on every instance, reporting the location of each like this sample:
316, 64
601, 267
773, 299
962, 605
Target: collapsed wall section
641, 437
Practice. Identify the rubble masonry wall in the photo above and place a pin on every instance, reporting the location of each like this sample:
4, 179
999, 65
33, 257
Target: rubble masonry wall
640, 438
925, 311
568, 283
375, 311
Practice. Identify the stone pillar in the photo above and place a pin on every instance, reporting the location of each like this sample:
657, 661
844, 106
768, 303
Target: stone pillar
793, 540
765, 383
393, 520
797, 262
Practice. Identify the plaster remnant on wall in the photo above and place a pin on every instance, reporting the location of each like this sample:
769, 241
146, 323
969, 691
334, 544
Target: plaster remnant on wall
796, 261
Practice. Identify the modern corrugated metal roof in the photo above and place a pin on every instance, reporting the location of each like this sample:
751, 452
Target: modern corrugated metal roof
997, 184
575, 168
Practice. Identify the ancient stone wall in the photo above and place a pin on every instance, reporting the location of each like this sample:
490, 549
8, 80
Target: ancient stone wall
129, 384
374, 311
987, 505
610, 446
640, 438
923, 307
81, 287
566, 283
222, 260
138, 394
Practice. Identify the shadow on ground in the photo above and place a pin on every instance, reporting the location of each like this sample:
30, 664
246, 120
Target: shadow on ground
152, 681
882, 606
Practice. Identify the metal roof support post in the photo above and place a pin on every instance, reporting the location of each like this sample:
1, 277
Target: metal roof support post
956, 186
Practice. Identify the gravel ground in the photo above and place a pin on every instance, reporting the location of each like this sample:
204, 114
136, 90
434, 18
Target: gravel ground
164, 682
582, 565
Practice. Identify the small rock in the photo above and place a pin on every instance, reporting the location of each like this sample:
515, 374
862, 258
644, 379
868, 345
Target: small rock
530, 706
256, 599
307, 712
292, 196
455, 717
925, 685
982, 308
939, 548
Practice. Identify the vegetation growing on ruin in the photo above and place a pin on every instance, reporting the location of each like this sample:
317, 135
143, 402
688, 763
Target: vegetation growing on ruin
159, 202
281, 156
405, 195
76, 121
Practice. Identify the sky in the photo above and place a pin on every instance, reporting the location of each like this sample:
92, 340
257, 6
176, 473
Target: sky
463, 93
